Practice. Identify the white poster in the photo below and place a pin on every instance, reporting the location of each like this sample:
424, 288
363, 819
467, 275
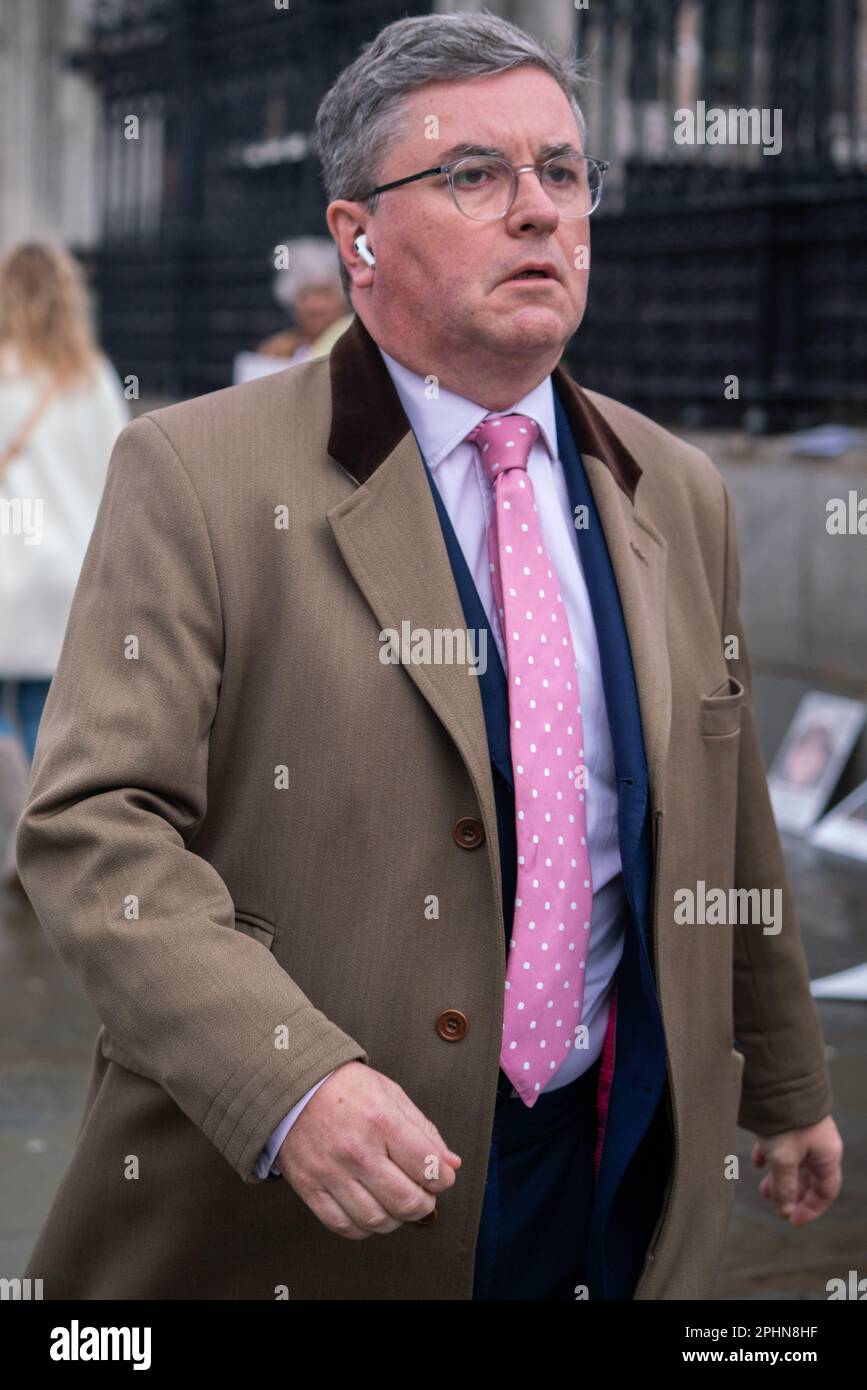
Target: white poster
814, 752
846, 984
844, 829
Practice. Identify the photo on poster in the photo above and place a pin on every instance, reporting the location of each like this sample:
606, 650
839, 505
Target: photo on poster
811, 758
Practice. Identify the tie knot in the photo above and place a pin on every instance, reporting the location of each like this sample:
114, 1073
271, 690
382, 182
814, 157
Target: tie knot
504, 442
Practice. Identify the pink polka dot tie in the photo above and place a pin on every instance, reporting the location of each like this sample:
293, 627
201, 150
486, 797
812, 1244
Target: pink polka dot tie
554, 896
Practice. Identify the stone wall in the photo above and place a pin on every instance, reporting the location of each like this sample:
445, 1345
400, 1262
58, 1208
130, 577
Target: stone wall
803, 591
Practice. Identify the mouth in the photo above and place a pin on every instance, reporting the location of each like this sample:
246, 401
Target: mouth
532, 272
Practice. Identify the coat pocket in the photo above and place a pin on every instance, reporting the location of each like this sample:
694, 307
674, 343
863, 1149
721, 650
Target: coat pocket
721, 710
258, 927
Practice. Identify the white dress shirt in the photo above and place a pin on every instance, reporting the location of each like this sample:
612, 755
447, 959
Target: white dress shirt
440, 425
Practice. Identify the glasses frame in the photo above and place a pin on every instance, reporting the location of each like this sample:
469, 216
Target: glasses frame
603, 165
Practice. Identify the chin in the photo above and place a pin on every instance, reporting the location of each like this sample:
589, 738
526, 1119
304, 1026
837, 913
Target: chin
536, 328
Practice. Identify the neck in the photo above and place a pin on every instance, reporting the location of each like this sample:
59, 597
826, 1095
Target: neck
495, 383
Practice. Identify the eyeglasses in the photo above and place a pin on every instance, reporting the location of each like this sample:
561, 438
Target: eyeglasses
484, 187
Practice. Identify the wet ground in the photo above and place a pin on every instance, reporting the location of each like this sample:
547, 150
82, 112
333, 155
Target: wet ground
47, 1029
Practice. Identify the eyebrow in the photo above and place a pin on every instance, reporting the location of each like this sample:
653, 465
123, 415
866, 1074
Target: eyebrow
465, 148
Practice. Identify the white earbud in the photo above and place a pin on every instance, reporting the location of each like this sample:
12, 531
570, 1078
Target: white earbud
362, 246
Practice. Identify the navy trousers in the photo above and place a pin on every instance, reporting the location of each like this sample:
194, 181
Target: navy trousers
539, 1194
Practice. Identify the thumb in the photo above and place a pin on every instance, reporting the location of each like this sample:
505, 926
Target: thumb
418, 1117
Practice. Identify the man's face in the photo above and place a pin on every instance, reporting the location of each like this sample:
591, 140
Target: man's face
442, 279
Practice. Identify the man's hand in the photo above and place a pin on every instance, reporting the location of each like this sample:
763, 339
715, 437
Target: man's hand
817, 1151
363, 1157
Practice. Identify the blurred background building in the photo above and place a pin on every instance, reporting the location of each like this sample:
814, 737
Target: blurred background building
169, 141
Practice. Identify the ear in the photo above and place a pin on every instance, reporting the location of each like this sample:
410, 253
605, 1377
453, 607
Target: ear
345, 223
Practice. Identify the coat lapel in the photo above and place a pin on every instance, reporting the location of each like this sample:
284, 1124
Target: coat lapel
390, 537
638, 555
492, 681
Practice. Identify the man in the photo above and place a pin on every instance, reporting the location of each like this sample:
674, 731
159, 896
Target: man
297, 876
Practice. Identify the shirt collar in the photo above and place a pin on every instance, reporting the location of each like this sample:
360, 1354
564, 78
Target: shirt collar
441, 423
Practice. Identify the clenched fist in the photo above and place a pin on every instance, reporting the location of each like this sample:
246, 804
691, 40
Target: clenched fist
363, 1157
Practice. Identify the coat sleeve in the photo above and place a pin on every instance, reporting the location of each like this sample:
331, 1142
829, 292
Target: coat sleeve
786, 1084
117, 792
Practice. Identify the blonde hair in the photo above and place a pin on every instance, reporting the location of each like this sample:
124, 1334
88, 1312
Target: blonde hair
45, 312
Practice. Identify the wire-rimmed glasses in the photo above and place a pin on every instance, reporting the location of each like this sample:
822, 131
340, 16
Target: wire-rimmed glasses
484, 187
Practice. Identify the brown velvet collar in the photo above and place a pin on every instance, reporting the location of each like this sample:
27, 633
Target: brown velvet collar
368, 419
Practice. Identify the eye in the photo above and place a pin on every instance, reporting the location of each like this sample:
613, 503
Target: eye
477, 175
562, 174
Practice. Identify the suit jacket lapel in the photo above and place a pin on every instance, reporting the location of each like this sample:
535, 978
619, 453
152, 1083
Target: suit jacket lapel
618, 672
638, 555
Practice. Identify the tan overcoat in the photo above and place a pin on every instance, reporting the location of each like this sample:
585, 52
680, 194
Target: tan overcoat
238, 814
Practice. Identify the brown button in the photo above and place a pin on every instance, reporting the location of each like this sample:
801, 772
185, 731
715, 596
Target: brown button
452, 1025
468, 832
428, 1220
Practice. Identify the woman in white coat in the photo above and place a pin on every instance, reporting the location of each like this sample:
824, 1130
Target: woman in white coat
61, 409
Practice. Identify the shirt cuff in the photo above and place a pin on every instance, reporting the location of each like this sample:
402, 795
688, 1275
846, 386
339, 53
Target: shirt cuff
264, 1163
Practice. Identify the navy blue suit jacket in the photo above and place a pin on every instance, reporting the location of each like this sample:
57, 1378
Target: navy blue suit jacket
637, 1151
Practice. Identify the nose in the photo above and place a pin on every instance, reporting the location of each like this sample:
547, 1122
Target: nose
532, 206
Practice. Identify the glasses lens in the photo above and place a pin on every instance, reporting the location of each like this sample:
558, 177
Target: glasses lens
483, 186
574, 183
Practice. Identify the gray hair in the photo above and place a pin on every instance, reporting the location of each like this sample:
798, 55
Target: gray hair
361, 113
313, 260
